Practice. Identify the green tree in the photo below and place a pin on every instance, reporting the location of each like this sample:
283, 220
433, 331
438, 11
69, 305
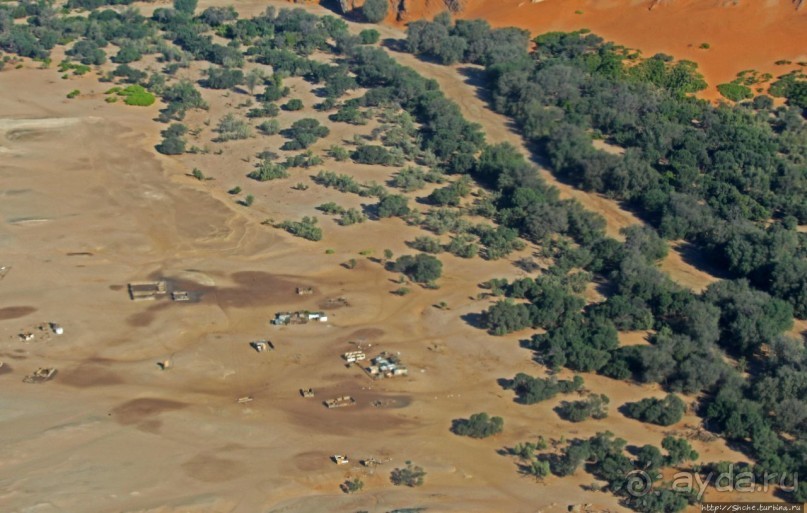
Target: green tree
375, 11
185, 6
421, 268
479, 425
393, 205
506, 317
664, 412
678, 450
411, 475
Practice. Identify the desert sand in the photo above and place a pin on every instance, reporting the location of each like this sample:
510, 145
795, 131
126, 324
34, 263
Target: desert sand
742, 35
89, 206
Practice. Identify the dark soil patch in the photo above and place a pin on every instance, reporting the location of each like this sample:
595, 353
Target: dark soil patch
212, 469
90, 375
15, 312
137, 410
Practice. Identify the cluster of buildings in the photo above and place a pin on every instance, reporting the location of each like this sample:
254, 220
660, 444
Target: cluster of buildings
303, 317
386, 366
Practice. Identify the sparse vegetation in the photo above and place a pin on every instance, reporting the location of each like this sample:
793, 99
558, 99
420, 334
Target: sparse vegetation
735, 92
267, 170
351, 216
306, 228
595, 407
354, 485
532, 390
232, 128
411, 475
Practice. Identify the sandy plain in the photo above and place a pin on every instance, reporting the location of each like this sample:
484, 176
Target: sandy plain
88, 206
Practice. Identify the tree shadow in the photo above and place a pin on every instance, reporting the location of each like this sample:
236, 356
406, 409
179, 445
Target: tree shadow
697, 258
504, 383
475, 320
623, 409
333, 6
633, 450
562, 410
394, 45
371, 211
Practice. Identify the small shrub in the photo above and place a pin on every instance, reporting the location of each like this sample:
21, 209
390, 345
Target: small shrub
594, 407
338, 153
735, 92
293, 105
411, 475
269, 127
353, 485
72, 94
266, 171
369, 36
427, 244
331, 208
137, 96
306, 228
351, 216
235, 190
231, 128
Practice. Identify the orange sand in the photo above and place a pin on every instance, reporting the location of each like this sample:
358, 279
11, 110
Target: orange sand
751, 35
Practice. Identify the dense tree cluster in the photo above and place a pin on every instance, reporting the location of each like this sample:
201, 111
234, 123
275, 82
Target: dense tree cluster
728, 179
479, 425
604, 456
306, 228
532, 390
472, 41
594, 406
664, 412
712, 175
421, 268
303, 133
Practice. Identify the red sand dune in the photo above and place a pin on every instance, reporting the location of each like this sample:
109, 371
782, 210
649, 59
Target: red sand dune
742, 34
